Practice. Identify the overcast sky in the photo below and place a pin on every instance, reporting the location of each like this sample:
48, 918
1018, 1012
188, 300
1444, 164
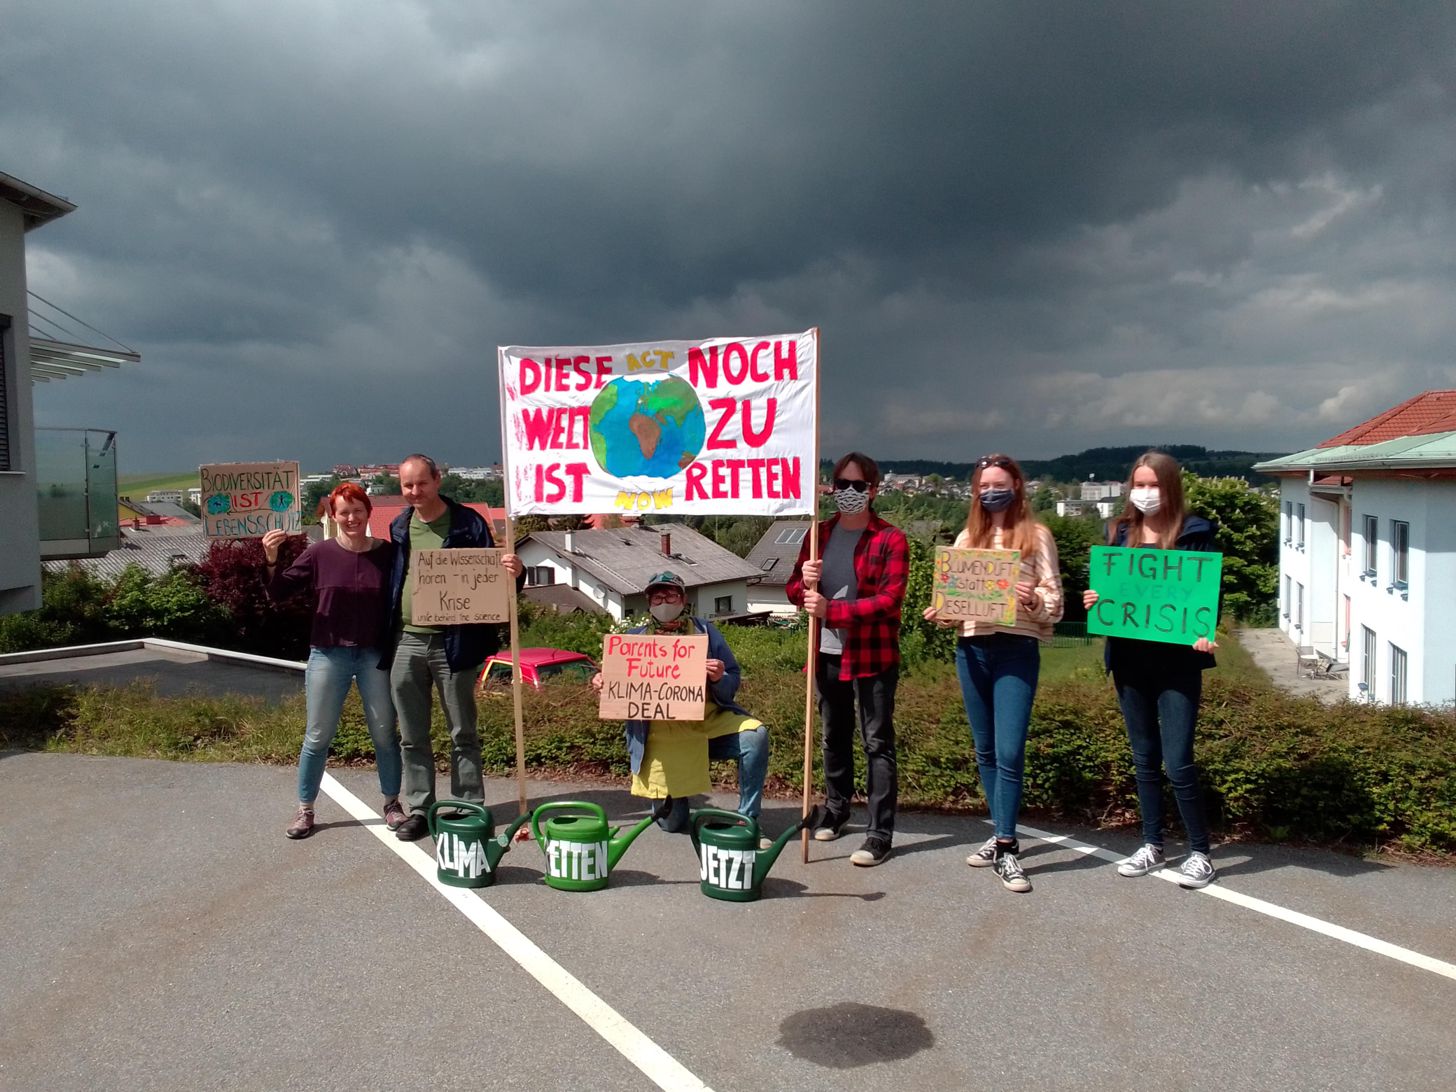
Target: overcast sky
1020, 226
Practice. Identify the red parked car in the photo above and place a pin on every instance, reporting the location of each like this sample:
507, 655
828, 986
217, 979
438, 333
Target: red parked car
538, 666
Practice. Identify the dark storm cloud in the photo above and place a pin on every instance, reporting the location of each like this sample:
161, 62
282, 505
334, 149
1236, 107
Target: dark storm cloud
1019, 225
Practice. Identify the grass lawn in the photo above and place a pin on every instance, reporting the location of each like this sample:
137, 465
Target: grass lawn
132, 485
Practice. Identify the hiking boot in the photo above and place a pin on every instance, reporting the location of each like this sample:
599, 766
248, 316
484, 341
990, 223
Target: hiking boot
412, 829
1142, 862
1196, 871
394, 815
1013, 876
874, 851
302, 825
830, 827
985, 857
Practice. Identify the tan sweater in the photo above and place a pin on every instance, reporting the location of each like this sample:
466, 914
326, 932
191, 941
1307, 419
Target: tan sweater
1038, 567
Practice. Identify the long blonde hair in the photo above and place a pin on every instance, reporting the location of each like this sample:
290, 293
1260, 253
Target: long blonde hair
1170, 490
1020, 529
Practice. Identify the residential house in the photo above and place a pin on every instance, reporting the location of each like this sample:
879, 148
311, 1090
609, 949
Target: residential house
773, 557
611, 567
384, 510
1367, 555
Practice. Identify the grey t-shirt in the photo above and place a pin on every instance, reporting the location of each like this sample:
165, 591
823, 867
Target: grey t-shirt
838, 581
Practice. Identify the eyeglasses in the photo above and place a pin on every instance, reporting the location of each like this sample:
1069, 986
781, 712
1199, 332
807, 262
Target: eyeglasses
846, 483
664, 597
993, 460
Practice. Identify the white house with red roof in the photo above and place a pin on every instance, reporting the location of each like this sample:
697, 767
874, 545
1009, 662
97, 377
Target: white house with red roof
1367, 556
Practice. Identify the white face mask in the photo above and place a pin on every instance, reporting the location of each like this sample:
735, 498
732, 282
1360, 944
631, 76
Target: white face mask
666, 612
1147, 499
851, 501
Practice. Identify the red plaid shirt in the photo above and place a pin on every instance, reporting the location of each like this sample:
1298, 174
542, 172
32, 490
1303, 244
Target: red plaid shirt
871, 622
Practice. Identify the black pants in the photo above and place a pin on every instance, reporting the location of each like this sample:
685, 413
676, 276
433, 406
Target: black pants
876, 695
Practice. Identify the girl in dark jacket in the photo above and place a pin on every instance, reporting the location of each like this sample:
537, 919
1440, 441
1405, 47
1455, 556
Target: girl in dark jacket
1159, 685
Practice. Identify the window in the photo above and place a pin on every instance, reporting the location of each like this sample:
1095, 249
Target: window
1367, 657
4, 401
1397, 675
499, 674
1372, 542
1400, 552
576, 671
723, 604
1287, 521
791, 536
538, 576
1299, 526
769, 563
1298, 606
1284, 599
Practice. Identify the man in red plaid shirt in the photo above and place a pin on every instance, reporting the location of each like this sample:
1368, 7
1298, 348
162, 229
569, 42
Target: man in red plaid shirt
856, 589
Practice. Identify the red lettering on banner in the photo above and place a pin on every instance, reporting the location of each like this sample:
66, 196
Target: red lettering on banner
551, 488
786, 364
556, 428
564, 373
703, 370
760, 438
725, 406
731, 479
738, 364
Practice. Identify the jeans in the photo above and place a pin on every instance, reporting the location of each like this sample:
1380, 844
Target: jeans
1160, 717
419, 665
750, 751
876, 697
998, 682
326, 684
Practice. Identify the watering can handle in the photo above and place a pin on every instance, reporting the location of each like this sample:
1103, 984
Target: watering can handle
557, 805
454, 805
715, 813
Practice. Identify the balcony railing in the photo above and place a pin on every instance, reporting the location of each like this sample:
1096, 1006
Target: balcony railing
76, 482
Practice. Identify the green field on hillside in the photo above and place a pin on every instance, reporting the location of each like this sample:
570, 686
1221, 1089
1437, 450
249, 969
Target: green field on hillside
138, 486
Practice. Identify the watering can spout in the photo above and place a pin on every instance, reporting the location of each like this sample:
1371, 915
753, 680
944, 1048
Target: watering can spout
617, 845
496, 848
767, 857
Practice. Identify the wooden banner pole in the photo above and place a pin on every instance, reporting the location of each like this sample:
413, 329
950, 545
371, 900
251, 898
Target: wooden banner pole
813, 649
500, 357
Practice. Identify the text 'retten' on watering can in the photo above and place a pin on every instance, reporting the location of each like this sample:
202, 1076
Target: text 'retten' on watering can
467, 849
581, 850
731, 867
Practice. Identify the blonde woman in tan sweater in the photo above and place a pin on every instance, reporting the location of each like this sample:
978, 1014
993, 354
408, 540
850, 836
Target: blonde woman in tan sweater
998, 664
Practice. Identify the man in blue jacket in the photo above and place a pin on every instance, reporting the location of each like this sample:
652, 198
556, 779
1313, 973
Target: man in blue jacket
670, 758
445, 658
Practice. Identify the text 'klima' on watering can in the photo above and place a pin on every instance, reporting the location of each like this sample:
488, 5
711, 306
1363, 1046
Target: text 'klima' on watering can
581, 850
467, 849
731, 867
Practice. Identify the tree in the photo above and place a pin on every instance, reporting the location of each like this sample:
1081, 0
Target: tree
174, 606
1248, 535
233, 575
313, 495
1075, 536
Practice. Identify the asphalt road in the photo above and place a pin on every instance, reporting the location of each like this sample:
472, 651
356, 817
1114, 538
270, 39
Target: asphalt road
161, 933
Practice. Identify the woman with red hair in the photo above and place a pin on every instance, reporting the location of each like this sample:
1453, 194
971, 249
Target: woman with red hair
349, 579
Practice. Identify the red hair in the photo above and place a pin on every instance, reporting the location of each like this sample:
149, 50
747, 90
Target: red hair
349, 491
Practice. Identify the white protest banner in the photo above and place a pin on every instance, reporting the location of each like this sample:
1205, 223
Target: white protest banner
654, 677
247, 500
458, 587
723, 426
976, 585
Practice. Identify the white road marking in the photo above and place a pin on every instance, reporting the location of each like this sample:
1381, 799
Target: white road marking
1218, 891
660, 1067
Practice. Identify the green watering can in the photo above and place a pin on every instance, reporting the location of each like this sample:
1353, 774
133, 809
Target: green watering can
466, 848
730, 864
581, 850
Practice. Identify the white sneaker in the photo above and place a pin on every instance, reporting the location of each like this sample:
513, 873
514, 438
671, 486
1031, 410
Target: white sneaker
1142, 862
1196, 871
984, 857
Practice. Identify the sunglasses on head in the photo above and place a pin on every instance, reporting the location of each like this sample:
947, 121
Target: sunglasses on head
845, 483
993, 460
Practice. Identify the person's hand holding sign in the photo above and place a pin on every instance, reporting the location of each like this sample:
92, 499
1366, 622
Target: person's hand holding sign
715, 670
811, 573
1026, 596
1203, 644
512, 564
596, 682
816, 604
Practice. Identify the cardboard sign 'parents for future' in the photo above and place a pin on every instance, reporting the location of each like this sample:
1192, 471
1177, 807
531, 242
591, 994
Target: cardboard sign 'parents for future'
976, 585
458, 587
647, 677
1154, 595
247, 500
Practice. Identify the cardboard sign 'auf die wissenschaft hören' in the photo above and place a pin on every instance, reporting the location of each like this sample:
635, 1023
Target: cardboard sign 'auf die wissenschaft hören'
1154, 595
458, 587
976, 585
654, 677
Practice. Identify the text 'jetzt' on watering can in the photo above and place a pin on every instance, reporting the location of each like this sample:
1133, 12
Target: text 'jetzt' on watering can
581, 850
467, 849
731, 867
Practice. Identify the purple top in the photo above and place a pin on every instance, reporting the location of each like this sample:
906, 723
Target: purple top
352, 592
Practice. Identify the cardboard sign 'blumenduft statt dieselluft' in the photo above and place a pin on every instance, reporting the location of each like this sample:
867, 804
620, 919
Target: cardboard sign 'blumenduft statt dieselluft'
458, 587
654, 677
